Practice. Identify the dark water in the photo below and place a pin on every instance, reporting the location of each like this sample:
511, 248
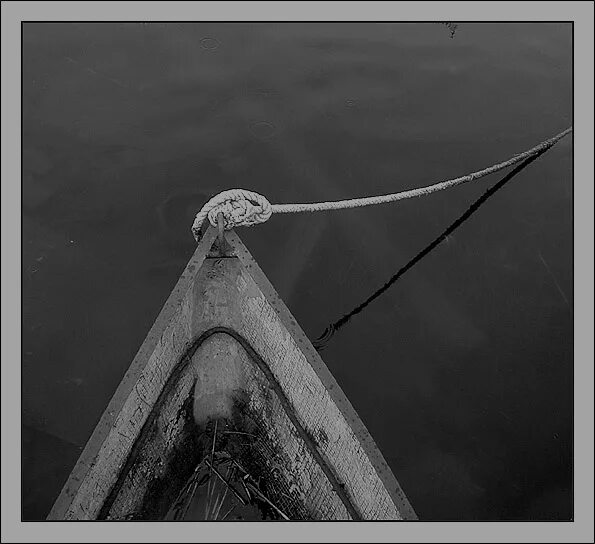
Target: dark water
462, 370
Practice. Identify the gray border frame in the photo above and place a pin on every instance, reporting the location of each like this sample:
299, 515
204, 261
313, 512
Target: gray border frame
580, 13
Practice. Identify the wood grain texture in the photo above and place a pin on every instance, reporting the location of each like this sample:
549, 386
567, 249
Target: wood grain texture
231, 292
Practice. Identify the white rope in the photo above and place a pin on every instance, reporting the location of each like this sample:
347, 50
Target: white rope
246, 208
238, 206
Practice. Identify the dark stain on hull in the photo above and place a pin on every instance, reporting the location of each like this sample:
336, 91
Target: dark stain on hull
193, 444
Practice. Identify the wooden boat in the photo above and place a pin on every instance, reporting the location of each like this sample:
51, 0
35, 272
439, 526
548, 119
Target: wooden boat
227, 393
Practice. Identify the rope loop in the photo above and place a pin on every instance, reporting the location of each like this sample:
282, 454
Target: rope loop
239, 208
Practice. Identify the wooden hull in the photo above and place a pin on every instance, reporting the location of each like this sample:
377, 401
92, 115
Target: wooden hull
227, 377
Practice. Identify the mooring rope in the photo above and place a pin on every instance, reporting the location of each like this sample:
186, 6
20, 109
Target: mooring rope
321, 342
241, 207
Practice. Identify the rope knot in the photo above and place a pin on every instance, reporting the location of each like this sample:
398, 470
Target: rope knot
239, 208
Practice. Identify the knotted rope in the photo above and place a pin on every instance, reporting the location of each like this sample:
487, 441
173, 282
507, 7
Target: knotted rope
238, 206
246, 208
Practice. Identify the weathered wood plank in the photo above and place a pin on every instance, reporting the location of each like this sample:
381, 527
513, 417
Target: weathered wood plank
254, 366
119, 425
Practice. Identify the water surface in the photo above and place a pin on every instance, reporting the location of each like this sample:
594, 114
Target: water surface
462, 371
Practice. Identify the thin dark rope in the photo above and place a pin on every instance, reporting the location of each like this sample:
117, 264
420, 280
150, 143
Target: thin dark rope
321, 342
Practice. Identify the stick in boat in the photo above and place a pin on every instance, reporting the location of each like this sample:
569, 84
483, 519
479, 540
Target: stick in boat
233, 490
209, 489
264, 498
255, 487
246, 487
182, 502
228, 512
221, 496
188, 499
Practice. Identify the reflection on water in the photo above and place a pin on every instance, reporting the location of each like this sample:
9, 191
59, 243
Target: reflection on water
446, 236
129, 128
